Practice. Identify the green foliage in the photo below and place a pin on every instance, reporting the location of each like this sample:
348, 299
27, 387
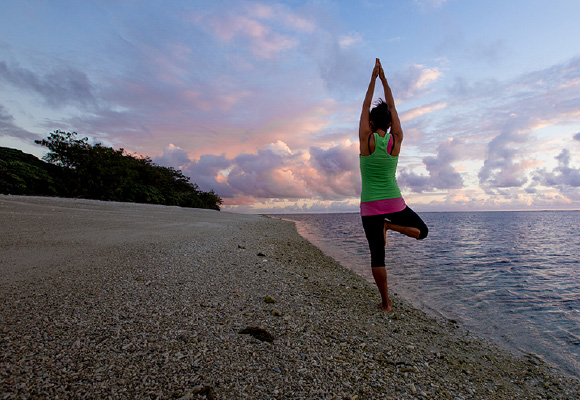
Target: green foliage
77, 169
24, 174
65, 149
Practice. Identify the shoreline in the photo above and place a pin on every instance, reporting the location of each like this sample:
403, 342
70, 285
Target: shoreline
348, 253
141, 301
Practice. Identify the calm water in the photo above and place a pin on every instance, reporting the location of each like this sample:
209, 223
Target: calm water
510, 276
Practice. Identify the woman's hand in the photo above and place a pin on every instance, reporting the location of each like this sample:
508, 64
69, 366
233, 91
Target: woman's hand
381, 73
377, 69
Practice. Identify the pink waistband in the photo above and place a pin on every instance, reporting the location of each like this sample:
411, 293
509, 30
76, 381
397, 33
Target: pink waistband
385, 206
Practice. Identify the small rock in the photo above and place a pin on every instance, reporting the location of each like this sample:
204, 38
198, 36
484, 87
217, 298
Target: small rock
276, 313
260, 254
269, 299
259, 333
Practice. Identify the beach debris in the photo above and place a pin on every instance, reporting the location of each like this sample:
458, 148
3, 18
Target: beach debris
241, 247
269, 300
199, 390
276, 313
183, 338
259, 332
260, 254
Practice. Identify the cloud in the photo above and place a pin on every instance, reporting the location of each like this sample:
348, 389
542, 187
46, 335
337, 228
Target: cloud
279, 148
442, 175
340, 66
420, 111
173, 156
542, 98
63, 86
500, 170
281, 13
577, 136
207, 173
8, 127
263, 175
414, 81
563, 176
333, 161
346, 41
261, 39
274, 172
285, 151
267, 30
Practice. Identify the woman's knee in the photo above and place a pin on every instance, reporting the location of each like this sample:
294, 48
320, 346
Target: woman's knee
424, 232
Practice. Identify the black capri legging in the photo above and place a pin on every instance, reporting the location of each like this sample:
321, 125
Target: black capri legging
374, 225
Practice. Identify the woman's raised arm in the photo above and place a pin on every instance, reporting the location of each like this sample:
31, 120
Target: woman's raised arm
396, 129
364, 129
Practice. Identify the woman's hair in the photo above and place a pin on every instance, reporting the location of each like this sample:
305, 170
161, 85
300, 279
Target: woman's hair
380, 116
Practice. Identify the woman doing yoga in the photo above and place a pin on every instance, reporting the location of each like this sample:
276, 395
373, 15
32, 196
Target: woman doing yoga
382, 206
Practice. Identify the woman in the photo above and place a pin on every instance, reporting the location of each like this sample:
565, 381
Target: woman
382, 206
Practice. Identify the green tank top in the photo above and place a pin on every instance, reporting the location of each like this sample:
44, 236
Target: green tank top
378, 172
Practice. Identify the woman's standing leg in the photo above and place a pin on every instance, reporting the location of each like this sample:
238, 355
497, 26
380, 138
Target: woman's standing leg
373, 226
380, 276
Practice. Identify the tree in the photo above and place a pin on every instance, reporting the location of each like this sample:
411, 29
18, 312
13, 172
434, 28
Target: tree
65, 149
103, 173
24, 174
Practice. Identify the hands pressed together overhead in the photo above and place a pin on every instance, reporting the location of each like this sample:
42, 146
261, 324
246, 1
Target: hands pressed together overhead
378, 70
364, 126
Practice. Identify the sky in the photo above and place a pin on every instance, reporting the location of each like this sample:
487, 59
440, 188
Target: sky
260, 100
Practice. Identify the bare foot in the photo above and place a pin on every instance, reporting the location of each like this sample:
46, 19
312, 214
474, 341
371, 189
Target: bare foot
388, 307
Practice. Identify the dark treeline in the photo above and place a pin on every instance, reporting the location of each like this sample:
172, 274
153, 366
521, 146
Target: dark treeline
75, 168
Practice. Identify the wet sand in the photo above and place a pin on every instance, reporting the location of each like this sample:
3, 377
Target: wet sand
118, 300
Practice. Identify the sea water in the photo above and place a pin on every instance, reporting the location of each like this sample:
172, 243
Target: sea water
513, 277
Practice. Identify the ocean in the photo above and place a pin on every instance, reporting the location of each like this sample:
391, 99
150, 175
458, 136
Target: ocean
513, 277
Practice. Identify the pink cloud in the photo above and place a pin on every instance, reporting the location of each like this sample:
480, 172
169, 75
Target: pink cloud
422, 110
415, 80
262, 40
280, 13
275, 172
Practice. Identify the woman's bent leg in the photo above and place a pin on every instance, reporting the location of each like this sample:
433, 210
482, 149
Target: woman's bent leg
408, 223
405, 230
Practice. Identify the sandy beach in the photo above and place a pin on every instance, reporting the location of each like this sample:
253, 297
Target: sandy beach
111, 300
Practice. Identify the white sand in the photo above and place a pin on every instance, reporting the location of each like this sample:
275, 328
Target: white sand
123, 300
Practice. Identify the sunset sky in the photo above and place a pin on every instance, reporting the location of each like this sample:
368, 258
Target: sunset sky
260, 101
